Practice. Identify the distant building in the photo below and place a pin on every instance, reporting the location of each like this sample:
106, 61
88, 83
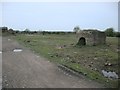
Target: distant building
91, 37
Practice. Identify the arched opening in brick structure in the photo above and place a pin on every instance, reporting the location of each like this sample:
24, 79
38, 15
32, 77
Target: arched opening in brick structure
82, 41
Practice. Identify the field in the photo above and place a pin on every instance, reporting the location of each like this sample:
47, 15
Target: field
87, 60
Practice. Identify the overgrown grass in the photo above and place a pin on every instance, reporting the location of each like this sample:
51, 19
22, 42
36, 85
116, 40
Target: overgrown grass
86, 59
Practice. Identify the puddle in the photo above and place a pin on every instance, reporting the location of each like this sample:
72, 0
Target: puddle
17, 50
110, 74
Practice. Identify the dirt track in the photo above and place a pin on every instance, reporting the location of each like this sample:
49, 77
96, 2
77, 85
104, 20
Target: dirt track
28, 70
0, 62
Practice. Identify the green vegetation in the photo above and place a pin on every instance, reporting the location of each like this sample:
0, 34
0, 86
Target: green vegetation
89, 60
60, 47
111, 33
76, 29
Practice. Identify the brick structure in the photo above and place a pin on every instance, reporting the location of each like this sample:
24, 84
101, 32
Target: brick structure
91, 37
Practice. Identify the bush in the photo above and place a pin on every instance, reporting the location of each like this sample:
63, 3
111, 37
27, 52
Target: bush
117, 34
4, 29
110, 32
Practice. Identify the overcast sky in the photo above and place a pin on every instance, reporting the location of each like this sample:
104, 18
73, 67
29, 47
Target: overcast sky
60, 16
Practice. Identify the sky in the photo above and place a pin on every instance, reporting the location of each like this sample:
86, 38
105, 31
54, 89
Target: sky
59, 15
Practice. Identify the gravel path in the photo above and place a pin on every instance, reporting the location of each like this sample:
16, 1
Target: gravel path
0, 62
24, 69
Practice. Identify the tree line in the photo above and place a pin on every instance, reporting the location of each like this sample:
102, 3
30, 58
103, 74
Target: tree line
110, 32
27, 31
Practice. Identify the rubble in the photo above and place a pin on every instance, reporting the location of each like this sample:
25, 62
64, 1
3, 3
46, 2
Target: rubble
109, 74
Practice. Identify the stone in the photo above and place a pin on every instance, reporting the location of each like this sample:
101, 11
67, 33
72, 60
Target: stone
6, 84
75, 52
9, 39
91, 62
95, 58
109, 64
110, 74
107, 81
90, 65
105, 73
59, 47
106, 49
106, 64
85, 74
78, 62
51, 55
95, 69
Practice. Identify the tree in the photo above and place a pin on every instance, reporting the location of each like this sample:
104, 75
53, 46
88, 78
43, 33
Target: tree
117, 34
76, 29
17, 31
4, 29
109, 32
11, 31
27, 31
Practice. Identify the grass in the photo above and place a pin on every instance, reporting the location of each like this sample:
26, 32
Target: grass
86, 59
